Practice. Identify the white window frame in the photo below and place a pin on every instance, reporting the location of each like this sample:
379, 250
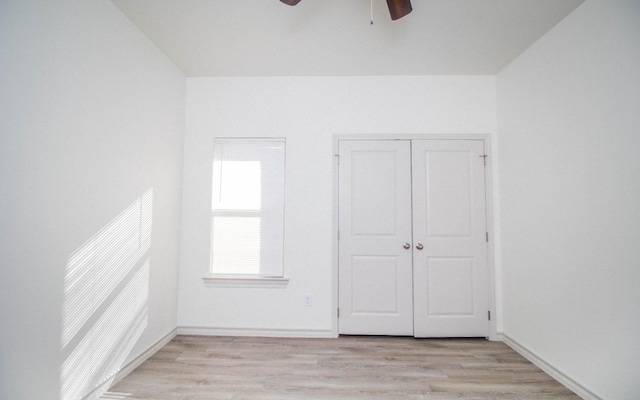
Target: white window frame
213, 279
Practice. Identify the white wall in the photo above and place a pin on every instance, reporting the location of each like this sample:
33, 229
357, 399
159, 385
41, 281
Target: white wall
308, 112
91, 117
569, 120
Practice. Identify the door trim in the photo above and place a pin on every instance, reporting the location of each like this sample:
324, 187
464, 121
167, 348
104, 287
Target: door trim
491, 246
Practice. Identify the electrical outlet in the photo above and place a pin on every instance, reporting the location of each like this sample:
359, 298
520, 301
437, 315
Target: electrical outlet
307, 300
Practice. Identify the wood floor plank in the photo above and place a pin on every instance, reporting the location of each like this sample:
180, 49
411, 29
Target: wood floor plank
350, 368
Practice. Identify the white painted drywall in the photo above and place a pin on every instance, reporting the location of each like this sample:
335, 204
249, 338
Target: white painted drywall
308, 112
569, 140
91, 117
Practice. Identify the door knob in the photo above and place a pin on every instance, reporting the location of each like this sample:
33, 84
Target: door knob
406, 245
419, 246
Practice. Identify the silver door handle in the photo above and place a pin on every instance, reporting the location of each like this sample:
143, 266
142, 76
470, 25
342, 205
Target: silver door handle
419, 246
406, 245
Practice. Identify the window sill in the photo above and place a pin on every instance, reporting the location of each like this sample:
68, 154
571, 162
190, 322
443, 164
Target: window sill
245, 281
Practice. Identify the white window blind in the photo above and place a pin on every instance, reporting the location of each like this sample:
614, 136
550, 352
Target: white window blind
248, 207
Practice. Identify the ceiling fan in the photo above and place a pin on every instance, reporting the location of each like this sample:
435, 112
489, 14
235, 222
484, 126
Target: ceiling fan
397, 8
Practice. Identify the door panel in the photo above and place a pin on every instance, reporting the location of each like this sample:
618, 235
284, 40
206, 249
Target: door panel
375, 271
450, 272
373, 176
374, 285
447, 180
449, 286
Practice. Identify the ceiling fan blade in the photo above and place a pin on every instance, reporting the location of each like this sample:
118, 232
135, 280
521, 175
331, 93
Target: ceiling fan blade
290, 2
398, 8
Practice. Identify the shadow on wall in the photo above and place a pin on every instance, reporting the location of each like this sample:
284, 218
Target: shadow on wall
104, 310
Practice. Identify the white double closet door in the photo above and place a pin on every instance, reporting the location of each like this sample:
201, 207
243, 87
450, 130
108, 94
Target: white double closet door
412, 238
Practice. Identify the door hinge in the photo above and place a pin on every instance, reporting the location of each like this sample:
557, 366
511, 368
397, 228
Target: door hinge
484, 159
489, 315
338, 313
337, 158
486, 235
338, 235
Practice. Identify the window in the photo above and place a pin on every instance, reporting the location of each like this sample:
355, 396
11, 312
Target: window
247, 210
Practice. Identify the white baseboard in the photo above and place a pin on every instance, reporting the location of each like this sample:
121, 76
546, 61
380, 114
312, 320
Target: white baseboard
294, 333
555, 373
136, 362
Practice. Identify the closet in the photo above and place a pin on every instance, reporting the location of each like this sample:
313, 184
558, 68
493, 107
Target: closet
412, 247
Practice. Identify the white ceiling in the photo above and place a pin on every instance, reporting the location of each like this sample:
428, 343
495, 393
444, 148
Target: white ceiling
334, 37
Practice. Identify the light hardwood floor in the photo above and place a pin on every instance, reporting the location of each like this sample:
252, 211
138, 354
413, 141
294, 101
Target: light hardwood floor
208, 368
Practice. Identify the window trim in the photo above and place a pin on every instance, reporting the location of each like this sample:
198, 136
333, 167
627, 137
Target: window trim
220, 280
245, 281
